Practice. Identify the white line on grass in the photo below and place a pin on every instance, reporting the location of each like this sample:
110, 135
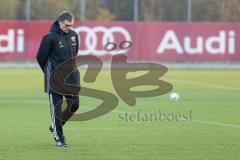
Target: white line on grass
205, 84
217, 123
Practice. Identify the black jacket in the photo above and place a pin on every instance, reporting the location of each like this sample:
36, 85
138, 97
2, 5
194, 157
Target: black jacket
56, 48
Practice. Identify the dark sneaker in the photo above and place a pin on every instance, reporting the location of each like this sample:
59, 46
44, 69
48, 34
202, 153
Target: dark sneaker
52, 131
61, 143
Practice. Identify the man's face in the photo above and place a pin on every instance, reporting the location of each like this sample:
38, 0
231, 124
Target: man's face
66, 25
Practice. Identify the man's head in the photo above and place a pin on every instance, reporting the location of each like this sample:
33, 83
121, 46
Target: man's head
66, 21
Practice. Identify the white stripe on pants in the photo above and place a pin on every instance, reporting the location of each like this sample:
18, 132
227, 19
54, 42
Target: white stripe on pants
52, 108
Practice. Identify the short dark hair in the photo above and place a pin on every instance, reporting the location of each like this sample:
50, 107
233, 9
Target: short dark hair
65, 15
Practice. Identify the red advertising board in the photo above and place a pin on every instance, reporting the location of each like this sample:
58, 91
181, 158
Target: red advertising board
151, 41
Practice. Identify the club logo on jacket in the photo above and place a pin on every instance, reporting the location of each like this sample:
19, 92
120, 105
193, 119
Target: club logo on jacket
73, 39
60, 43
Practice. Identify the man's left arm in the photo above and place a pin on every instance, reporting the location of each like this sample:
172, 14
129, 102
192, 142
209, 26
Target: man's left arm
77, 46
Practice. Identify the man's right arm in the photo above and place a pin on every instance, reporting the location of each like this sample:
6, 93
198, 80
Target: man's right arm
44, 51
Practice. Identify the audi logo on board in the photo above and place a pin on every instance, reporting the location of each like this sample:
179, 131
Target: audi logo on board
94, 40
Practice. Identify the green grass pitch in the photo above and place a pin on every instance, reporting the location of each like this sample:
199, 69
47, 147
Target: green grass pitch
213, 133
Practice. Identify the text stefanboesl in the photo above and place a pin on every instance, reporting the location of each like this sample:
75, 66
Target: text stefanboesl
158, 116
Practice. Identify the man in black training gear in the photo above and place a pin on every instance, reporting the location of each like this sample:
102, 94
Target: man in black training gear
57, 47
